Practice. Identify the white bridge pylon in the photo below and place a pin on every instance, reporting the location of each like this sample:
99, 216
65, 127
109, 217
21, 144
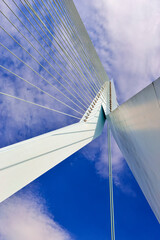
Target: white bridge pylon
23, 162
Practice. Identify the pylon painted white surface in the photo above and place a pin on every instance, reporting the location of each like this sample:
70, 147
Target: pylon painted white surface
136, 128
23, 162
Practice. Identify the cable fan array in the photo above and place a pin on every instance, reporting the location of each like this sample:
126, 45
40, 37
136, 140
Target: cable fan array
45, 46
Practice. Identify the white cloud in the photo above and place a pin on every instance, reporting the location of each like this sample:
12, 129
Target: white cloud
26, 218
126, 36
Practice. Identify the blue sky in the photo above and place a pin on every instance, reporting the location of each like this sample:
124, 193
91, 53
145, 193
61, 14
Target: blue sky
71, 201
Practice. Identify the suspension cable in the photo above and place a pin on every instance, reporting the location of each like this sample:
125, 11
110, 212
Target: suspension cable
33, 85
34, 27
63, 41
68, 17
88, 90
61, 47
39, 76
66, 39
111, 186
40, 63
41, 37
70, 31
36, 104
64, 7
68, 23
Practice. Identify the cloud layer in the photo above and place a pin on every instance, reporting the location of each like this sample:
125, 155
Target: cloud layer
126, 37
26, 218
